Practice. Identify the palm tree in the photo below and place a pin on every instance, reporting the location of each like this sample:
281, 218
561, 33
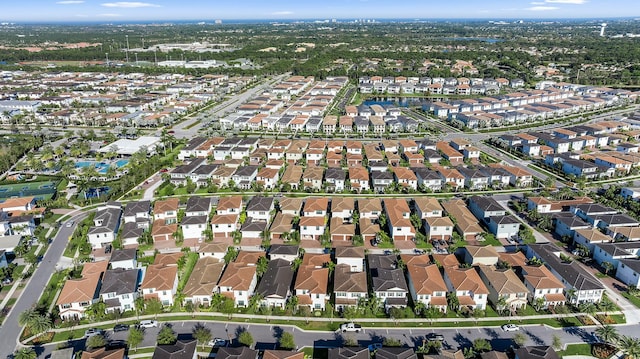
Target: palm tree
40, 324
27, 317
630, 347
608, 334
25, 353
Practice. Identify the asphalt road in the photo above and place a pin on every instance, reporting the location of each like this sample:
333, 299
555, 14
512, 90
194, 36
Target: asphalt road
187, 129
10, 330
266, 336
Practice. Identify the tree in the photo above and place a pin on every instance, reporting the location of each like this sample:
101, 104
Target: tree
261, 266
287, 341
519, 339
40, 324
27, 317
96, 311
453, 302
481, 345
588, 308
556, 342
25, 353
153, 306
245, 338
538, 304
96, 341
608, 334
608, 266
501, 305
630, 346
136, 336
201, 333
166, 335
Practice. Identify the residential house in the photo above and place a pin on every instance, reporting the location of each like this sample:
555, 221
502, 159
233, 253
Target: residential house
349, 286
160, 282
181, 349
260, 208
536, 352
353, 257
467, 286
466, 223
359, 179
77, 294
369, 208
335, 179
543, 285
398, 213
579, 285
290, 205
312, 178
105, 226
137, 212
239, 279
426, 207
311, 286
119, 289
166, 210
280, 251
425, 282
503, 227
341, 232
203, 281
342, 207
387, 281
275, 285
504, 284
124, 258
480, 255
438, 228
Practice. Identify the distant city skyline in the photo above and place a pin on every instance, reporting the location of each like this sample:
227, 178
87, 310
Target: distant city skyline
210, 10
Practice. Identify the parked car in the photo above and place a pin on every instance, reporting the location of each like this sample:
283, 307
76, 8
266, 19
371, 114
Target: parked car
93, 331
434, 336
510, 327
120, 328
374, 346
217, 342
148, 324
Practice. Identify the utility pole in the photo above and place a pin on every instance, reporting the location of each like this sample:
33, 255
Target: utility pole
136, 58
127, 51
106, 54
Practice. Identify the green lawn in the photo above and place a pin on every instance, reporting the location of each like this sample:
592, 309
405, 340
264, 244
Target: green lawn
576, 349
633, 299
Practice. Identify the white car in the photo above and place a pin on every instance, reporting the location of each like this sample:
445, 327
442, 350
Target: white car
148, 324
70, 224
510, 327
217, 342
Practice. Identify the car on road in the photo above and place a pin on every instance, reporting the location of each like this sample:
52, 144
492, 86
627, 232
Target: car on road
434, 337
120, 328
510, 327
69, 224
350, 327
148, 324
93, 331
217, 342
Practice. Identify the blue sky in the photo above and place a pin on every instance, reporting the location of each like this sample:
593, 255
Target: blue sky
146, 10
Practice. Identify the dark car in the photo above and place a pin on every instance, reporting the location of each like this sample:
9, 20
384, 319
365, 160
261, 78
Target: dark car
434, 336
120, 328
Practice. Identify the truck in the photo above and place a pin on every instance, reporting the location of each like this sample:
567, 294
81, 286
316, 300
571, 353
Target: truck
350, 327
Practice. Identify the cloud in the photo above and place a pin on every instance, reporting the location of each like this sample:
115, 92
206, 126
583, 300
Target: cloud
70, 2
541, 8
128, 4
282, 13
109, 15
574, 2
538, 3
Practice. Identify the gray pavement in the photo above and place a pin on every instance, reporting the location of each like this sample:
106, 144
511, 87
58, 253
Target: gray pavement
10, 330
265, 335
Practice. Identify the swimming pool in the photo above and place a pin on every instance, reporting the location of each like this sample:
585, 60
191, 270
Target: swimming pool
122, 163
